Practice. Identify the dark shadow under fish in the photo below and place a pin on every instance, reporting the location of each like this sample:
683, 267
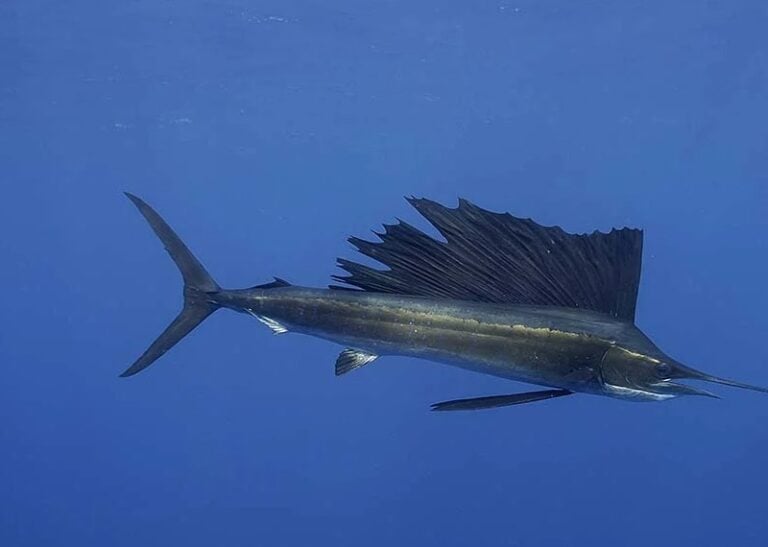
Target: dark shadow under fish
501, 295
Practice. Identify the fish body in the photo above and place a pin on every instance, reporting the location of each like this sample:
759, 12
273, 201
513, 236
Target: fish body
555, 347
502, 296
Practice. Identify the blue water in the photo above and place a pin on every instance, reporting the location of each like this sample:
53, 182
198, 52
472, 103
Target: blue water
266, 133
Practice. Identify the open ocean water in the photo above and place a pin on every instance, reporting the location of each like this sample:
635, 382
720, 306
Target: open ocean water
266, 132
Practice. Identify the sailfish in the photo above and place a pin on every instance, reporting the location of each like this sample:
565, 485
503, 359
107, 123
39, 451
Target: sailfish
498, 295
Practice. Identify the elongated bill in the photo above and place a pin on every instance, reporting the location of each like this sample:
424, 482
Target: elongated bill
727, 382
684, 372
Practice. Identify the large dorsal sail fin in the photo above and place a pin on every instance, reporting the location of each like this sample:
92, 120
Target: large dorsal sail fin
493, 257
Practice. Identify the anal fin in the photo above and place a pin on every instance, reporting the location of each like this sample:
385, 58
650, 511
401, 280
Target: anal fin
495, 401
275, 326
351, 359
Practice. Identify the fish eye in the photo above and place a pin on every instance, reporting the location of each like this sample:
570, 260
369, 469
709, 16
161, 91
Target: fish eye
663, 370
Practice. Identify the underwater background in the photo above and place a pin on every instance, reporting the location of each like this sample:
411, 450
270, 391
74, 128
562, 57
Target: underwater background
266, 132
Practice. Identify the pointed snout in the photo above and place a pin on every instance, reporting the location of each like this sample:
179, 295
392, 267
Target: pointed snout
693, 374
726, 382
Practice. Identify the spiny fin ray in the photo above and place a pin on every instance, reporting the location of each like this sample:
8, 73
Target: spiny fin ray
499, 258
351, 359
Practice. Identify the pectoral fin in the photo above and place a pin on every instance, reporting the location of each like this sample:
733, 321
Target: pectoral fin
495, 401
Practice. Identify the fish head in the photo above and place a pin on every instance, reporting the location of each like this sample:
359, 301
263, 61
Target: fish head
631, 375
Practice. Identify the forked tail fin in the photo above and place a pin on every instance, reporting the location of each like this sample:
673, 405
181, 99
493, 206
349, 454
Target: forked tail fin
199, 288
